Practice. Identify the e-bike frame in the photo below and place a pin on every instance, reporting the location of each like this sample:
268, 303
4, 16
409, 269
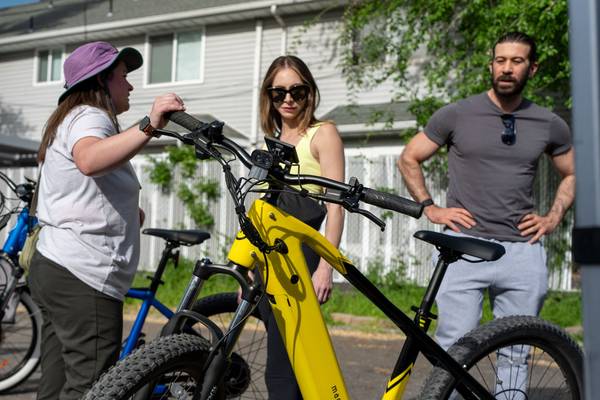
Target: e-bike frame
298, 315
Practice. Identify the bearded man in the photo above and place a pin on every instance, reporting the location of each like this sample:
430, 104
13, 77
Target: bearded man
495, 140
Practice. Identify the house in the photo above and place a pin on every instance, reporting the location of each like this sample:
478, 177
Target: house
214, 53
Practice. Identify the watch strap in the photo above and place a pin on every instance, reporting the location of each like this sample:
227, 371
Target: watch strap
427, 202
148, 129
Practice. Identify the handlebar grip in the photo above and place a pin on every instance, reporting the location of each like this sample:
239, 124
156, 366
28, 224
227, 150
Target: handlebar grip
186, 120
392, 202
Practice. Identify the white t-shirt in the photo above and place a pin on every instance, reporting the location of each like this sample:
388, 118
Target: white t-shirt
90, 225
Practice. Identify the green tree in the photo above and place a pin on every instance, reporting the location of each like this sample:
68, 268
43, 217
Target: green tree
443, 47
449, 42
196, 192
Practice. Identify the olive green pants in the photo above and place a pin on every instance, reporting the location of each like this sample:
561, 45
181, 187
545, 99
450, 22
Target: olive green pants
81, 332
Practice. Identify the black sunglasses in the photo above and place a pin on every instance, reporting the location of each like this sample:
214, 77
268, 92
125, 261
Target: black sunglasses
509, 134
298, 93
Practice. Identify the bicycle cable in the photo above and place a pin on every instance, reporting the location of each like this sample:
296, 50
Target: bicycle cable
243, 320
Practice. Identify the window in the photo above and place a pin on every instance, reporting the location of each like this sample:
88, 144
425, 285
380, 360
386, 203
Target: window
176, 57
49, 65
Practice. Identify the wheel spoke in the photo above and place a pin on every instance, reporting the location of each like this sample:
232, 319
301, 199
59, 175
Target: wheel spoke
18, 342
528, 359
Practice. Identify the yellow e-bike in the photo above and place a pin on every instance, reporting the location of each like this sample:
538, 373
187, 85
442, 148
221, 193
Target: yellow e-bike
510, 358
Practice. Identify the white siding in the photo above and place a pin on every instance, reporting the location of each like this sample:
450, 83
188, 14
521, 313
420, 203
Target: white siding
227, 87
226, 91
18, 92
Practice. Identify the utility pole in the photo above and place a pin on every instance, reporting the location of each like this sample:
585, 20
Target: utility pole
585, 82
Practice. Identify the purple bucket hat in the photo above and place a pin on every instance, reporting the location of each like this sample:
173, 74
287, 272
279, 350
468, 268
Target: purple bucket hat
90, 59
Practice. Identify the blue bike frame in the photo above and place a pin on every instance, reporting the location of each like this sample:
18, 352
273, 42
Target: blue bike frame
17, 235
149, 300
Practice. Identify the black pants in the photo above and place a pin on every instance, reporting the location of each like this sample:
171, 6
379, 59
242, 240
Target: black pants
279, 375
81, 332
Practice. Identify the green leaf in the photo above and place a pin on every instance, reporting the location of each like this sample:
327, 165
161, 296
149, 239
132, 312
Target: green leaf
196, 192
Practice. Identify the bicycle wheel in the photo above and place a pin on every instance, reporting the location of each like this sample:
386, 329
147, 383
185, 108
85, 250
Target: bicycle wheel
246, 374
172, 366
20, 342
515, 358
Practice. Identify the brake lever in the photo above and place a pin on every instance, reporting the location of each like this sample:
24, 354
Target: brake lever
184, 138
350, 203
371, 216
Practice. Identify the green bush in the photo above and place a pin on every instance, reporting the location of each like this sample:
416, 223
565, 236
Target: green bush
561, 308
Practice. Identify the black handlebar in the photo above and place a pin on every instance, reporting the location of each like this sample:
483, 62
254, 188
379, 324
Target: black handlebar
392, 202
186, 120
24, 191
202, 134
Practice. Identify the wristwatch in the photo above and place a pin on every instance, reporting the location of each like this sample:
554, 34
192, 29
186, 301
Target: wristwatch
427, 202
147, 128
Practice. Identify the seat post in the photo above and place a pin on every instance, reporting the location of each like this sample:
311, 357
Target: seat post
166, 255
445, 258
423, 315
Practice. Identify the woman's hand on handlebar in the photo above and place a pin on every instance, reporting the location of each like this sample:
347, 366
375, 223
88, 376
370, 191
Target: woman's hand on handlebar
162, 105
323, 281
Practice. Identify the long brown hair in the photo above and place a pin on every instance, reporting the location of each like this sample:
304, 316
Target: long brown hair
88, 92
270, 119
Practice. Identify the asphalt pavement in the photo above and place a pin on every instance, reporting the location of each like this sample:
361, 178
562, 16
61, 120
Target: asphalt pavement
366, 360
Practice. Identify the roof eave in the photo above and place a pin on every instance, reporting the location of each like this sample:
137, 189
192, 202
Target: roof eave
213, 15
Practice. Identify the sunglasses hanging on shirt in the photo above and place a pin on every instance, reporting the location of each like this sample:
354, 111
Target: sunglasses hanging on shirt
509, 134
278, 94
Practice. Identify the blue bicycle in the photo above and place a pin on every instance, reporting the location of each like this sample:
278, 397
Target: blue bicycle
20, 335
20, 331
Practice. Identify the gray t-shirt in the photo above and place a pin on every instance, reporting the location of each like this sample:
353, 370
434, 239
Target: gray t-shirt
492, 180
91, 225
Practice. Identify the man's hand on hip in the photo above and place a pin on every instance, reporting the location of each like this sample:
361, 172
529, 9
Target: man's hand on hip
450, 217
538, 226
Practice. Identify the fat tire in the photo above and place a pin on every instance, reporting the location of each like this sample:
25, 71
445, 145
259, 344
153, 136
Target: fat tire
31, 360
220, 303
180, 352
507, 331
251, 355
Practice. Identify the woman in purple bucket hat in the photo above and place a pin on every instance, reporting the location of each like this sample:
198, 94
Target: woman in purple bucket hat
88, 208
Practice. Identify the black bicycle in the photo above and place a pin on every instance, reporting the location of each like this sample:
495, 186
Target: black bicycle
516, 357
20, 329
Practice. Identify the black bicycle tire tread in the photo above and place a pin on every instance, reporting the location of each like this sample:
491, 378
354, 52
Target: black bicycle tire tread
484, 336
127, 373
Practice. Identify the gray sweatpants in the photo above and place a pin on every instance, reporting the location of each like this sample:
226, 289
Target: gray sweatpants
517, 285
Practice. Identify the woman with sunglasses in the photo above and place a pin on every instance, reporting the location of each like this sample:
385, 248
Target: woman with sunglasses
288, 99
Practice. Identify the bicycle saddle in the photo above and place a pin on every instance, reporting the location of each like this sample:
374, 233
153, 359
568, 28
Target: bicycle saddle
187, 237
483, 249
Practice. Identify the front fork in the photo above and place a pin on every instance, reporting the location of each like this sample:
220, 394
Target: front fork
222, 344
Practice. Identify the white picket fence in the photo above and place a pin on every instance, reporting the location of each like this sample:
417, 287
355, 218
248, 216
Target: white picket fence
362, 241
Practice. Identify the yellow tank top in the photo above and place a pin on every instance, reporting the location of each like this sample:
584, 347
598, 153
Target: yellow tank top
308, 164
